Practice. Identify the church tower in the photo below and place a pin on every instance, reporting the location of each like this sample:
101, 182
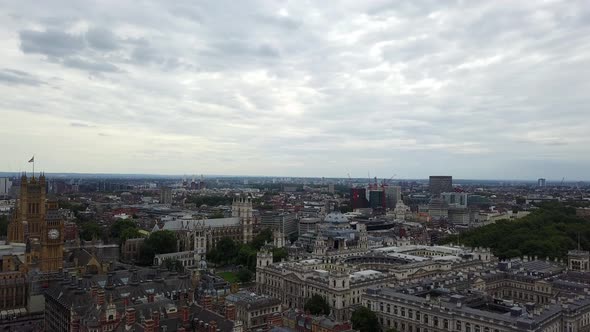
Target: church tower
242, 208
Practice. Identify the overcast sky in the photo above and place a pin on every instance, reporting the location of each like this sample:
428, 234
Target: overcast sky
473, 89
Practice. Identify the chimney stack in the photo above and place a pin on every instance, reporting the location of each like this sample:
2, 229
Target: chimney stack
100, 300
149, 325
156, 319
130, 313
230, 312
184, 313
207, 302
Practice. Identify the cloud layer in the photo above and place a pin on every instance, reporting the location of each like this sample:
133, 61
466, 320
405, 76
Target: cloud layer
474, 89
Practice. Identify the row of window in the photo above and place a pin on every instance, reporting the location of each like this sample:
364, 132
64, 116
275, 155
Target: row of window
425, 319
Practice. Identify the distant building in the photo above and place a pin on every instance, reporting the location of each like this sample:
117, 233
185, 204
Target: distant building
358, 198
377, 199
283, 221
438, 209
5, 186
166, 195
331, 188
393, 194
541, 182
455, 199
439, 184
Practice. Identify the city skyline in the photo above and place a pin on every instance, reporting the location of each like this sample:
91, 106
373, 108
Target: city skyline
477, 91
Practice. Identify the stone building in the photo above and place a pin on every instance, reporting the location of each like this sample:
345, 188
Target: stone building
257, 312
200, 235
342, 276
519, 295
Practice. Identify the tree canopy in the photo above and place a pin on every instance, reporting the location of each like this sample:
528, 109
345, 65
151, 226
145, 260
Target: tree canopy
90, 230
549, 231
245, 275
119, 226
160, 242
228, 251
317, 305
365, 320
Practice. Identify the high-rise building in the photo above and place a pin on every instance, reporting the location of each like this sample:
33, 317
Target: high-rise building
393, 194
439, 184
358, 198
541, 182
5, 185
455, 199
166, 195
377, 198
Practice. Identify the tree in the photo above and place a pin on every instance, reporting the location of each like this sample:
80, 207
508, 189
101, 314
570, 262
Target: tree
129, 233
89, 231
216, 215
160, 242
549, 231
163, 242
317, 305
224, 252
279, 254
244, 275
119, 225
261, 238
365, 320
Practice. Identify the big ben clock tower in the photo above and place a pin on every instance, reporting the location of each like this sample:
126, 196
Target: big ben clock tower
52, 240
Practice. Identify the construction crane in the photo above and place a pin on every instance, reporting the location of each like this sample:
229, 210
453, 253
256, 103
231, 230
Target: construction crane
562, 179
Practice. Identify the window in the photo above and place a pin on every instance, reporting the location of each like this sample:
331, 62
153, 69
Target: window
388, 308
445, 324
458, 325
418, 315
435, 321
425, 319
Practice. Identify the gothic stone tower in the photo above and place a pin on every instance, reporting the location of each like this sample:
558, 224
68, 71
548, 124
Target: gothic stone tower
34, 219
242, 208
30, 210
52, 240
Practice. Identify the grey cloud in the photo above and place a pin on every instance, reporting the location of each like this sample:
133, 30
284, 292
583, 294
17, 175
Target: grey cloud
91, 66
421, 86
102, 39
12, 76
50, 43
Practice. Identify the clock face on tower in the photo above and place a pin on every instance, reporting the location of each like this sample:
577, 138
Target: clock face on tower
53, 234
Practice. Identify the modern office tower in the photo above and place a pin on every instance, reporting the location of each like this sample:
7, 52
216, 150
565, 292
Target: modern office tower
439, 184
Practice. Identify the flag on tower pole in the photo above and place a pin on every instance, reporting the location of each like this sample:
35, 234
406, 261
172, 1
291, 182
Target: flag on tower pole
32, 160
